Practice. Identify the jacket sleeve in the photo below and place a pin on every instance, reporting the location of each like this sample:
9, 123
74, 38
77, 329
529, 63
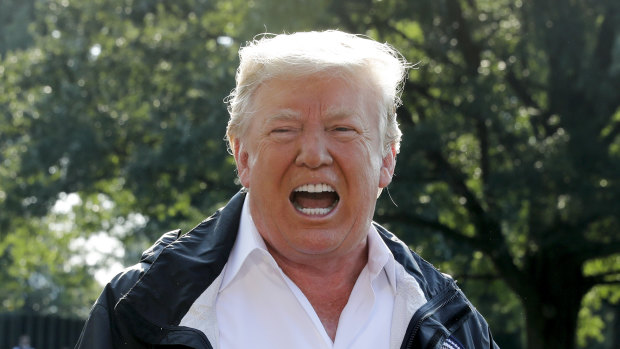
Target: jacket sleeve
475, 333
100, 330
96, 332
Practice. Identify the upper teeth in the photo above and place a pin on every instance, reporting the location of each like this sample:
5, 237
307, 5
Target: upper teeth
315, 188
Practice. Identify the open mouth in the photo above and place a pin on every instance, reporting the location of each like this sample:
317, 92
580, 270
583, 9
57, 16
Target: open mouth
314, 199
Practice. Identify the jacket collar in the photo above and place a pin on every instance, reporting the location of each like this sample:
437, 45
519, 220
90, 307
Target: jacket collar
181, 272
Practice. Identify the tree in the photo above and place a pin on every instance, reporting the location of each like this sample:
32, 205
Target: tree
512, 121
121, 104
14, 19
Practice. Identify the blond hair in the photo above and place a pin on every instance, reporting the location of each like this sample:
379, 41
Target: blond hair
307, 53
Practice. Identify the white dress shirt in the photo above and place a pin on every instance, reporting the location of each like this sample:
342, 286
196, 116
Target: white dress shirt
258, 306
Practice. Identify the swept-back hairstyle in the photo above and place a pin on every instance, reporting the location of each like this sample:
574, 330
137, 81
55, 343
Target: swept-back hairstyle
308, 53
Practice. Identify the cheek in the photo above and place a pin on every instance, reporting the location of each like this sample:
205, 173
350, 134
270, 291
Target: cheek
363, 166
371, 160
258, 154
267, 161
247, 160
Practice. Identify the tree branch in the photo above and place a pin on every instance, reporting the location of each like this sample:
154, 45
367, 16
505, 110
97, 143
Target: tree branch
606, 274
590, 250
411, 87
611, 136
556, 234
489, 277
482, 131
541, 119
489, 237
602, 57
603, 278
520, 90
469, 49
456, 180
404, 116
483, 139
410, 42
437, 55
497, 251
472, 5
445, 230
614, 282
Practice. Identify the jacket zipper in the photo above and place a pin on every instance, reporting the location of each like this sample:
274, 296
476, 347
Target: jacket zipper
419, 319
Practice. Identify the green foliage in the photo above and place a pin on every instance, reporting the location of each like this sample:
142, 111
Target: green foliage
594, 314
15, 16
121, 102
36, 273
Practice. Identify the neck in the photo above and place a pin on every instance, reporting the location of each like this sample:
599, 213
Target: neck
326, 283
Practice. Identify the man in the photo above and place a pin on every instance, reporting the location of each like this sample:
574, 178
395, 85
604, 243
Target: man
294, 260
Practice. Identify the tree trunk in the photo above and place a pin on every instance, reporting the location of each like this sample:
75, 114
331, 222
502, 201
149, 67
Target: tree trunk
551, 324
555, 289
615, 341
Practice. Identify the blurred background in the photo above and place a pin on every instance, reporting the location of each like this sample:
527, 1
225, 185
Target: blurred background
112, 126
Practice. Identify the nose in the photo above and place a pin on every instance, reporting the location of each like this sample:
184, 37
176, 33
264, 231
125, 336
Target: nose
313, 150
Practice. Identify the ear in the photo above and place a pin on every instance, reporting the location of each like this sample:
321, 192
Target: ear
242, 160
387, 167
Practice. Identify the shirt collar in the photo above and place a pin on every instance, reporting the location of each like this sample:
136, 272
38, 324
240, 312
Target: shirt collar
380, 258
249, 240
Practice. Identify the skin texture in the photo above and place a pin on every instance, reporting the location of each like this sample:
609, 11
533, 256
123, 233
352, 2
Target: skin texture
311, 130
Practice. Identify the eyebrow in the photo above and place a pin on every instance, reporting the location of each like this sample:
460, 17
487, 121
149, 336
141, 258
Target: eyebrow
331, 114
339, 113
285, 115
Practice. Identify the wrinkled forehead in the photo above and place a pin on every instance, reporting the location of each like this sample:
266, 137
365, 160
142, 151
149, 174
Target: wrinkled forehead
359, 89
332, 99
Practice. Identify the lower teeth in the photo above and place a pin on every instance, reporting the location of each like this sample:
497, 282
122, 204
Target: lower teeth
315, 211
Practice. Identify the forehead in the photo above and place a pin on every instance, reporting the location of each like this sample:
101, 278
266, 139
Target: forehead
333, 96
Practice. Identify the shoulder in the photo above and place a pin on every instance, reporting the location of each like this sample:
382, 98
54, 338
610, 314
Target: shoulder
101, 329
124, 281
467, 326
430, 279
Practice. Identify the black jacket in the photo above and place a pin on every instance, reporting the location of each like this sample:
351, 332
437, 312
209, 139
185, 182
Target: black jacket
143, 306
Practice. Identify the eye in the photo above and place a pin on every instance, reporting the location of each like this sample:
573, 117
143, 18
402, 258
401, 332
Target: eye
282, 134
343, 129
284, 130
344, 133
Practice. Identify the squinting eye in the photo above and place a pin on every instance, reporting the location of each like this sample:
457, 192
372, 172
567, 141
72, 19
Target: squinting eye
282, 134
281, 130
343, 129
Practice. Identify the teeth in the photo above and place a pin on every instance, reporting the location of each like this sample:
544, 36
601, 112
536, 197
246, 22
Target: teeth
316, 211
315, 188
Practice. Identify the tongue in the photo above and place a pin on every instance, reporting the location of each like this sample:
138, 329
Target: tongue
315, 200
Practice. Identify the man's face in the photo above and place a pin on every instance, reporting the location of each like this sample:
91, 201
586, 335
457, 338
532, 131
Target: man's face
312, 161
